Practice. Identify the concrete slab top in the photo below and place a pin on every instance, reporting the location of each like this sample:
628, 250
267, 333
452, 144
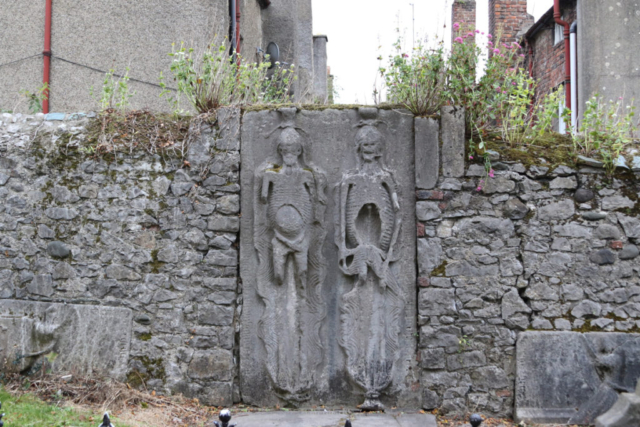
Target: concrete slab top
331, 419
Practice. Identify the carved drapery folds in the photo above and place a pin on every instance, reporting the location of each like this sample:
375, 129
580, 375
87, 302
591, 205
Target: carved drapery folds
290, 202
369, 222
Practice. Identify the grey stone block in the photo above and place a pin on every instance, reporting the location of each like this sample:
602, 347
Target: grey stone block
630, 225
426, 211
437, 302
625, 412
87, 339
56, 249
583, 195
214, 364
427, 147
453, 142
569, 377
564, 209
629, 252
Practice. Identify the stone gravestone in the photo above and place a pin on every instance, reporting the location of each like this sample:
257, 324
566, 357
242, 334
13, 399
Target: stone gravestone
570, 377
86, 339
328, 258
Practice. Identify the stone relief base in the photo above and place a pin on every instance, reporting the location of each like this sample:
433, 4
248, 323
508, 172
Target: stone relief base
332, 419
85, 339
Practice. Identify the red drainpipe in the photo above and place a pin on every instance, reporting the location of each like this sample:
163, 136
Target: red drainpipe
557, 16
47, 56
530, 58
238, 29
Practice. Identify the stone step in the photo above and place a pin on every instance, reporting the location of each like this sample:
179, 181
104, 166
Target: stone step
331, 419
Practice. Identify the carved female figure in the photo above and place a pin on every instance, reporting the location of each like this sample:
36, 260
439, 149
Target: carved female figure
289, 232
369, 223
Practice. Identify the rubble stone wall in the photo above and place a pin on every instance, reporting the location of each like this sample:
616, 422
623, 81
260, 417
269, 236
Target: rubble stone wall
541, 247
534, 248
139, 232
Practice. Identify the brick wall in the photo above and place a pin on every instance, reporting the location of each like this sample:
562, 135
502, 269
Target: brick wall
463, 11
506, 18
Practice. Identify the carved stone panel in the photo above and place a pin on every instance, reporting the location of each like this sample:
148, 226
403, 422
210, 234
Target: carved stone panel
572, 377
85, 339
327, 258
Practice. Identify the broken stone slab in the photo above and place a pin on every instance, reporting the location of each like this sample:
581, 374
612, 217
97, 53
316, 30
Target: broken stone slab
558, 374
331, 419
87, 339
625, 412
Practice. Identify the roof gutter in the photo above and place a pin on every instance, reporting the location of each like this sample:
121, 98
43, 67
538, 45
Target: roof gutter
46, 54
557, 16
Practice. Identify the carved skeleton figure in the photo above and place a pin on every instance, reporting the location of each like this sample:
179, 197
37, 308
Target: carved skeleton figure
369, 223
289, 232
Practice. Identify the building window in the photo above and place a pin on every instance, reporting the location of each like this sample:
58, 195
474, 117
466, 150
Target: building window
558, 34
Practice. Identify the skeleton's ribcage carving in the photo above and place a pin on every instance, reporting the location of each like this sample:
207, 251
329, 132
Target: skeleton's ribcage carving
290, 209
369, 214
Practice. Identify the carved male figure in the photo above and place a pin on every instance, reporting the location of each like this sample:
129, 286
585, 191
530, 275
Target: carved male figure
289, 231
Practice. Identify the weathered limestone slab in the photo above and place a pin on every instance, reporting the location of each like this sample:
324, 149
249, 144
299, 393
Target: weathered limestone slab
328, 258
452, 142
427, 134
331, 419
87, 339
569, 377
625, 412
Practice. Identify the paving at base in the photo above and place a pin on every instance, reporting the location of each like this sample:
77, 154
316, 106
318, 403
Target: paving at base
332, 419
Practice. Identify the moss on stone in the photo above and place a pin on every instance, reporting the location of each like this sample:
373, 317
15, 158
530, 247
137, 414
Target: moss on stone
440, 270
153, 369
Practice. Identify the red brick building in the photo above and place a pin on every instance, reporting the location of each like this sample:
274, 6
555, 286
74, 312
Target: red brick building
544, 42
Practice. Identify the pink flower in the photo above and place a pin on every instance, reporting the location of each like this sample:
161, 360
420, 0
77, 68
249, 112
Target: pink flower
491, 174
456, 26
490, 43
517, 45
404, 55
458, 39
513, 83
499, 89
478, 32
470, 34
489, 36
502, 55
482, 33
521, 55
470, 157
620, 98
479, 188
496, 50
504, 91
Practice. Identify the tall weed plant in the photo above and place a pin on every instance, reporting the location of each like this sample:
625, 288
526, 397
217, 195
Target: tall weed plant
212, 78
607, 129
115, 93
416, 81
